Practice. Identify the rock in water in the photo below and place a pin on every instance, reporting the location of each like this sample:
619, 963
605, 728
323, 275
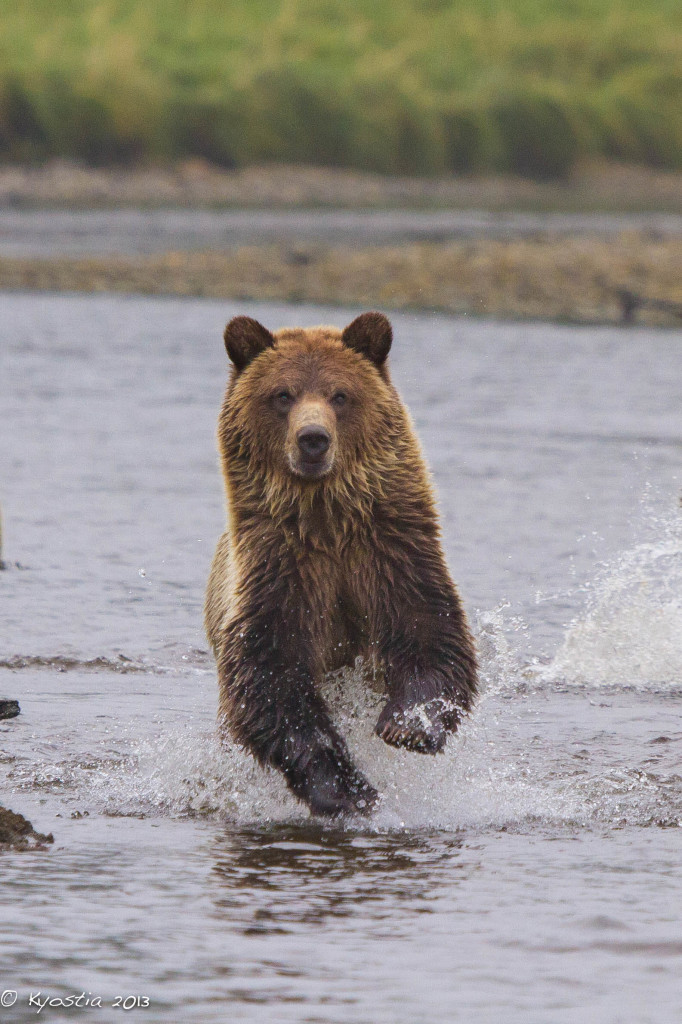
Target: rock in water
19, 833
9, 708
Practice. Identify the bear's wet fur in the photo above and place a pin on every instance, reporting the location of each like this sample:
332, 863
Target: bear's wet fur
332, 549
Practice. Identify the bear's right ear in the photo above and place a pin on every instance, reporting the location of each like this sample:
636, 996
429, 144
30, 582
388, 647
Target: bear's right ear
245, 338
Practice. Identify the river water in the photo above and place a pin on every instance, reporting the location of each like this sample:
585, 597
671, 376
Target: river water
532, 873
60, 233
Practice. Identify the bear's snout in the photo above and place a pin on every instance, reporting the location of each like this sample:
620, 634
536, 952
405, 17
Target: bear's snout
313, 442
311, 439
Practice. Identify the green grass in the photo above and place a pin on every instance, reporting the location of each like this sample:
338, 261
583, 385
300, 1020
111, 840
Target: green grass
409, 86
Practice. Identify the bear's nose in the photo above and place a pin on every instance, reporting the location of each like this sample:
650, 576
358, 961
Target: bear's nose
313, 441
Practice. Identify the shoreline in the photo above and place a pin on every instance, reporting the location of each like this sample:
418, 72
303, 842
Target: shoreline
604, 247
594, 186
632, 279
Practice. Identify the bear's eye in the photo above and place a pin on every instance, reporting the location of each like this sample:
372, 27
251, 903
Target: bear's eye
339, 399
283, 400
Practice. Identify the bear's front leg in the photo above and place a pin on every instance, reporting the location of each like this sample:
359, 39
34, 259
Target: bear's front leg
428, 655
412, 720
269, 702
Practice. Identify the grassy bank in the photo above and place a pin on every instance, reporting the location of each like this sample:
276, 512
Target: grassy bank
410, 86
577, 279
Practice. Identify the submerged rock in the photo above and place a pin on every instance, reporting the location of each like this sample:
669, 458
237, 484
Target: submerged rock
17, 832
9, 708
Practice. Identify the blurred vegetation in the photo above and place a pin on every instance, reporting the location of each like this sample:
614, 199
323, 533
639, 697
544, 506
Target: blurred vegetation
397, 86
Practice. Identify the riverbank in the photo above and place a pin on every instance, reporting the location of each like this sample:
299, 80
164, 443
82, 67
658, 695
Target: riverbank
592, 186
580, 279
604, 247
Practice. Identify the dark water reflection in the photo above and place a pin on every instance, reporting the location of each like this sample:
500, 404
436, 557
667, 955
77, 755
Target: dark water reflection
274, 878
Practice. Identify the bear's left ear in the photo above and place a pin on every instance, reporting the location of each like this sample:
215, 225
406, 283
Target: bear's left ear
245, 338
371, 335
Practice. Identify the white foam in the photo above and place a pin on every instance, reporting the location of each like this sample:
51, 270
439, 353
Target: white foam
488, 776
495, 773
631, 632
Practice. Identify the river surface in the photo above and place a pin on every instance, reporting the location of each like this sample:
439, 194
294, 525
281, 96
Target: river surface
60, 233
530, 874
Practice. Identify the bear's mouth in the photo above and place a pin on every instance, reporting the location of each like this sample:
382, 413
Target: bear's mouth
311, 468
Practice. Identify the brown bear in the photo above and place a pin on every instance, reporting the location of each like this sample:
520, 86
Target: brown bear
332, 550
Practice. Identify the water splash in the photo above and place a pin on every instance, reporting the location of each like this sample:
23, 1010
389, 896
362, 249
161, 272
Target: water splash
531, 756
500, 666
631, 633
498, 772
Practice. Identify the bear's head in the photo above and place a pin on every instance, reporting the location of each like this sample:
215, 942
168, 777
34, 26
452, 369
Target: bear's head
308, 404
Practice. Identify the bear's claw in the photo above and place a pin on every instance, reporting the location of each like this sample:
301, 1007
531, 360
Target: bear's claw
333, 789
412, 728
